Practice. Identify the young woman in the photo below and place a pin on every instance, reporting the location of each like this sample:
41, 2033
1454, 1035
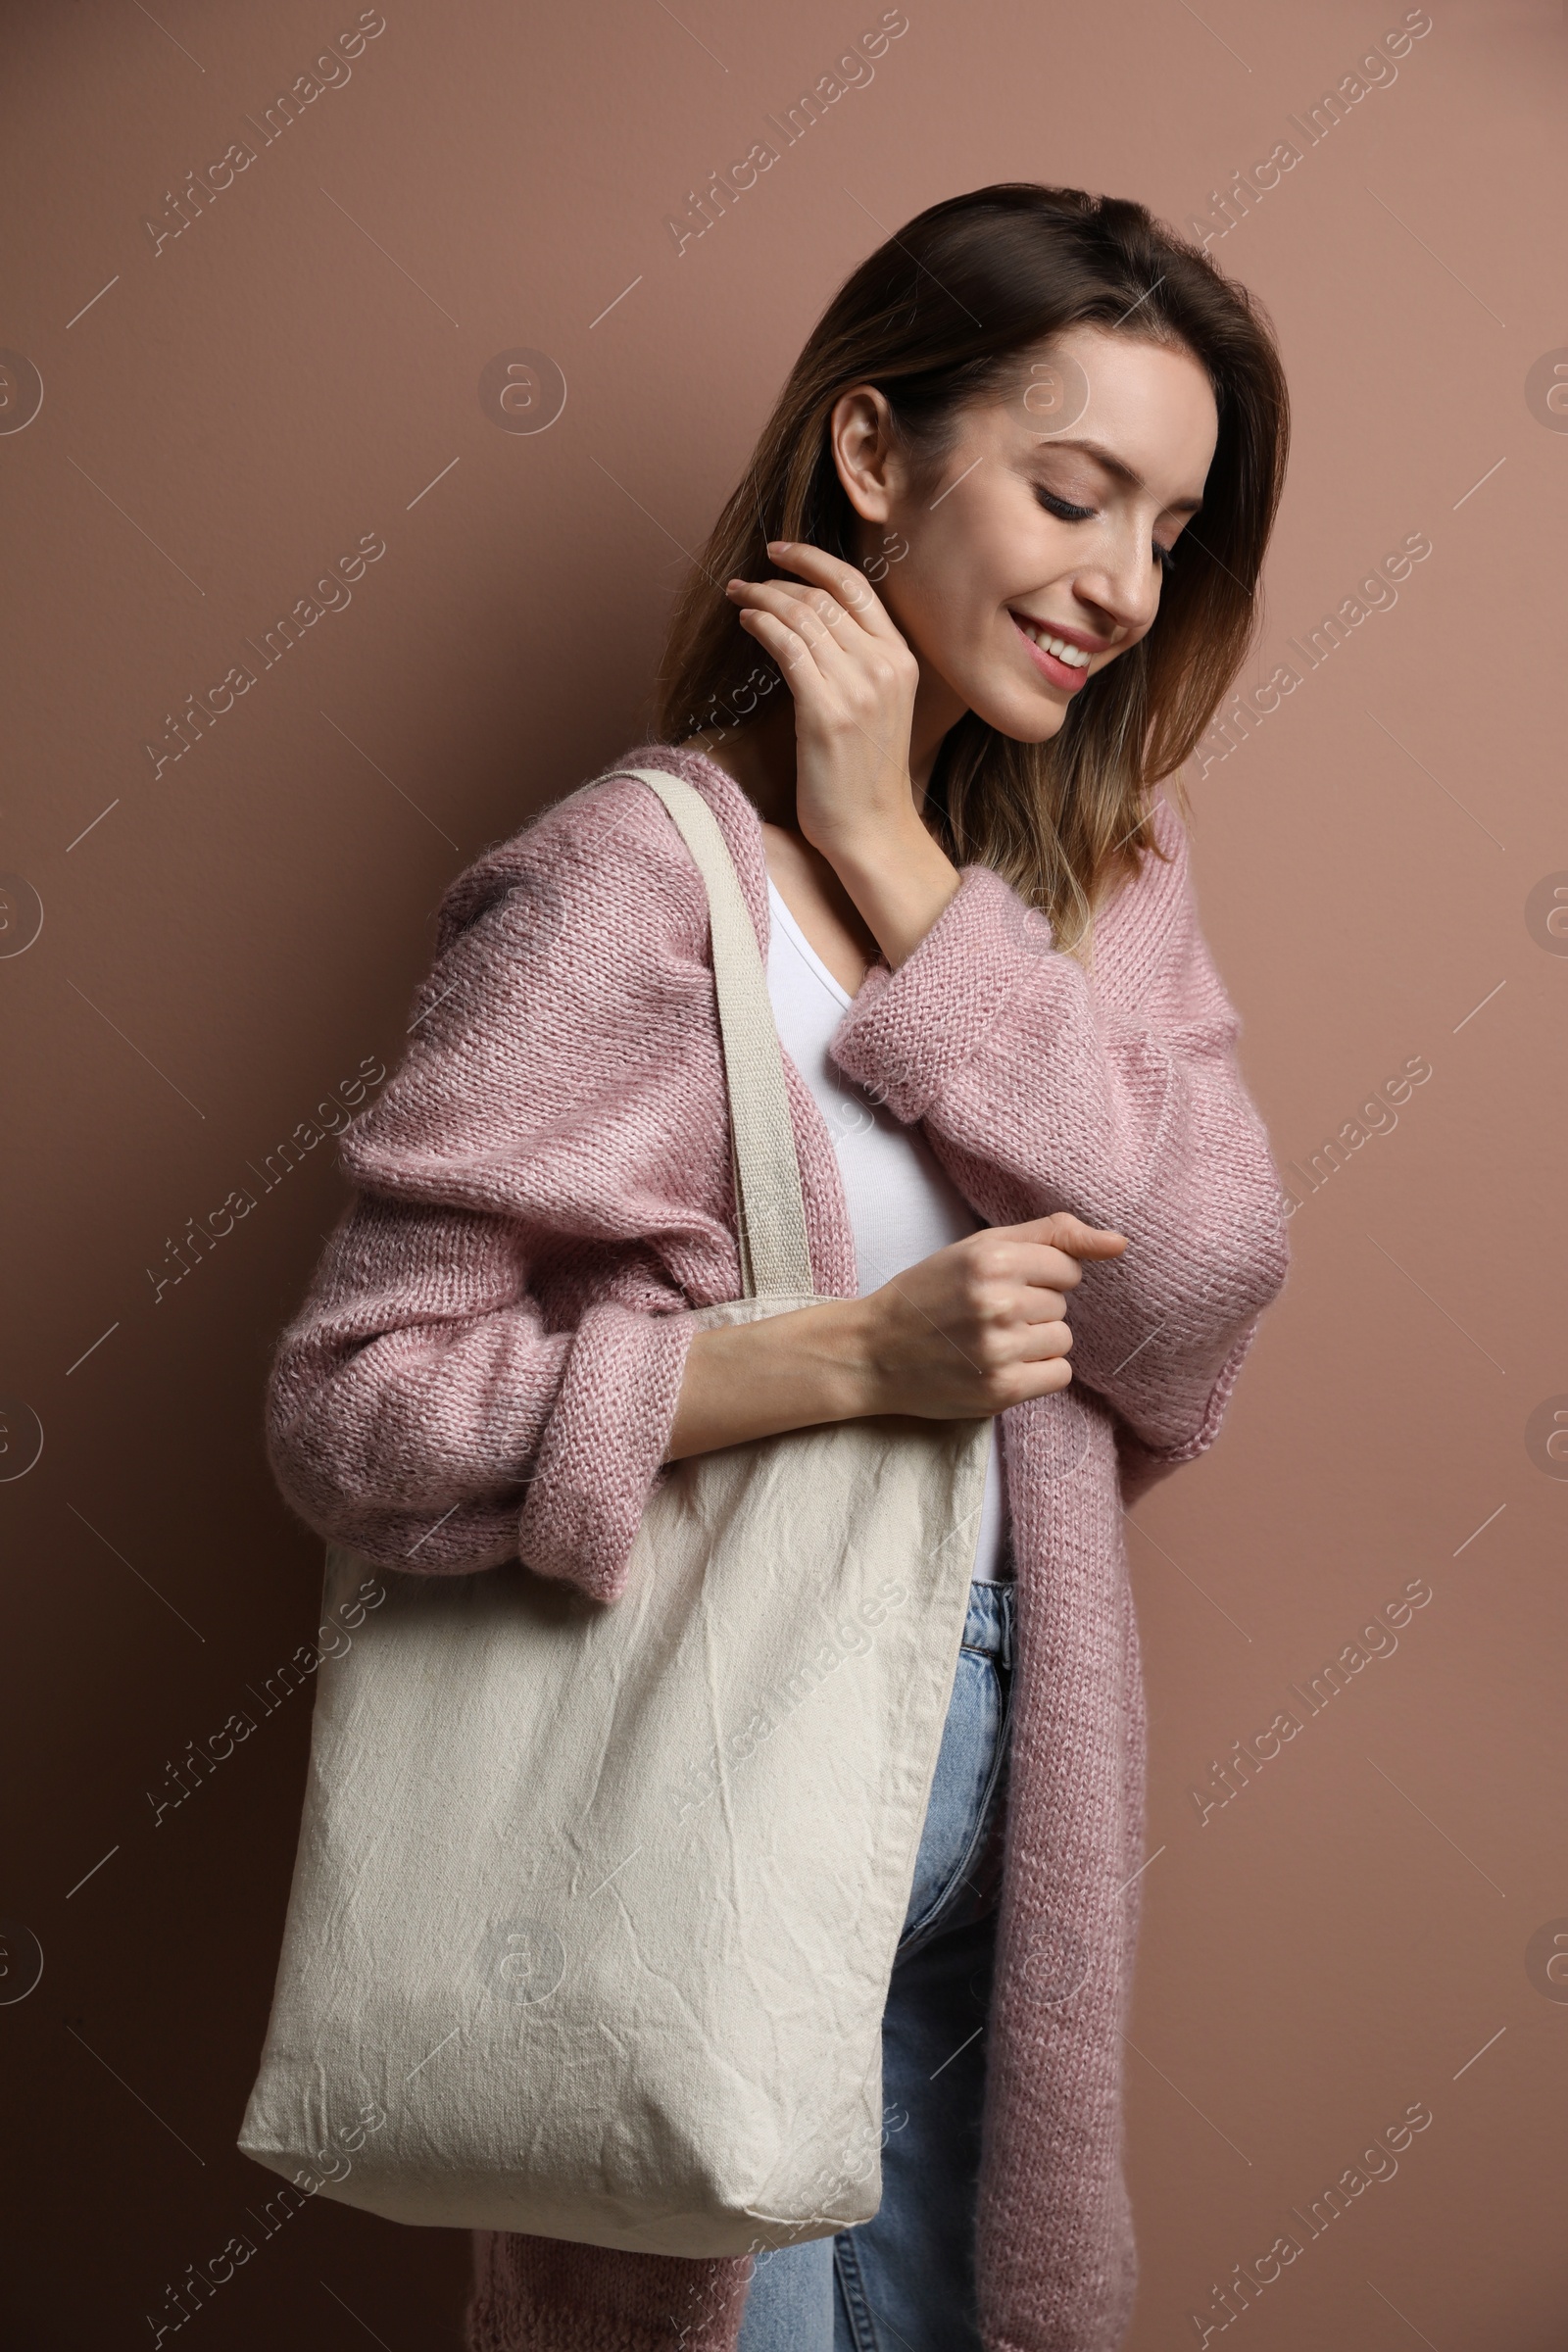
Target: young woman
985, 579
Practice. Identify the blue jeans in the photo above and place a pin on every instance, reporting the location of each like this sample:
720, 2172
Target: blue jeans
904, 2281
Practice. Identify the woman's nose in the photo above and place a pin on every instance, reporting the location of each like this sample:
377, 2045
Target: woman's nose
1123, 583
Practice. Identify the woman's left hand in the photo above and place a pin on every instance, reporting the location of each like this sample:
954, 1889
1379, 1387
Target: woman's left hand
854, 680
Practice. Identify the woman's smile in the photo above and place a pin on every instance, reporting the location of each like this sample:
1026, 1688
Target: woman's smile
1061, 659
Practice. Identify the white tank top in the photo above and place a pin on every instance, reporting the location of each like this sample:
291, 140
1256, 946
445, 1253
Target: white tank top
903, 1204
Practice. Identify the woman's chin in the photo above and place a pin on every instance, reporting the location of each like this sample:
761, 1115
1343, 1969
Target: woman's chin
1024, 717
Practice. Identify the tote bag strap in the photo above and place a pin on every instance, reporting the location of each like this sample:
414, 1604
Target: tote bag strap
775, 1253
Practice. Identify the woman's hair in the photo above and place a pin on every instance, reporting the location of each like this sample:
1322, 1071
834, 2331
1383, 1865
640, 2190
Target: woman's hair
944, 313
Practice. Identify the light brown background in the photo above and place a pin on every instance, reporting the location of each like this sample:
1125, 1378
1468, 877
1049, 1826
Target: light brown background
230, 938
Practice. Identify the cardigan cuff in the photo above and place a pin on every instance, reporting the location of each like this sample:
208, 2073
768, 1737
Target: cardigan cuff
603, 1450
1219, 1397
1143, 1464
908, 1031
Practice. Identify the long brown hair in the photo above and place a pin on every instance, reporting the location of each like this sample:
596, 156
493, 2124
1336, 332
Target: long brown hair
941, 313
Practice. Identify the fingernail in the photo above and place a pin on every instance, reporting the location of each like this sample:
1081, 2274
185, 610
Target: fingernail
777, 547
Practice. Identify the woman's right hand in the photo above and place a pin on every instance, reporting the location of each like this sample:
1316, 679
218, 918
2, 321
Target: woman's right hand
965, 1332
981, 1325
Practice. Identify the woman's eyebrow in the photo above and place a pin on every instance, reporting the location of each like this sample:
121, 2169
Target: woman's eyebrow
1122, 470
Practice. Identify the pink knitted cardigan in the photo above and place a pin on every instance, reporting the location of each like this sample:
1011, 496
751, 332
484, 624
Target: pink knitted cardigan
488, 1362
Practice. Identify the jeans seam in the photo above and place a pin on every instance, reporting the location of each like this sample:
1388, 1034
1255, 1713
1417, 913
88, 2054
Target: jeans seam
847, 2270
960, 1880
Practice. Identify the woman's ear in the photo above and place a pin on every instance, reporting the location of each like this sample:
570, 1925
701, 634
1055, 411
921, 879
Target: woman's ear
861, 431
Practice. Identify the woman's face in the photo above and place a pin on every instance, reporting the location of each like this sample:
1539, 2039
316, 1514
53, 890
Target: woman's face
1053, 515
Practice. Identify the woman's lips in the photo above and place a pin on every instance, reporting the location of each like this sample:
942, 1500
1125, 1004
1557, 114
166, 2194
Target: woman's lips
1056, 673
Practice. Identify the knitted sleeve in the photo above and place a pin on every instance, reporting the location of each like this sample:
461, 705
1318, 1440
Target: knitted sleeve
1118, 1097
488, 1362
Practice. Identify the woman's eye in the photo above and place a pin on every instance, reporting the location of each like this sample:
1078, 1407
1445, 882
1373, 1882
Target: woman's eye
1062, 507
1165, 557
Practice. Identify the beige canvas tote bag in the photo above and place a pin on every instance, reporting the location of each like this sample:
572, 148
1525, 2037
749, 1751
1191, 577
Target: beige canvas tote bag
595, 1907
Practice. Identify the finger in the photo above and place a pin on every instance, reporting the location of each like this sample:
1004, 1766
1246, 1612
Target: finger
773, 601
1063, 1231
850, 585
839, 622
814, 616
1039, 1267
820, 601
1036, 1305
1041, 1343
788, 647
